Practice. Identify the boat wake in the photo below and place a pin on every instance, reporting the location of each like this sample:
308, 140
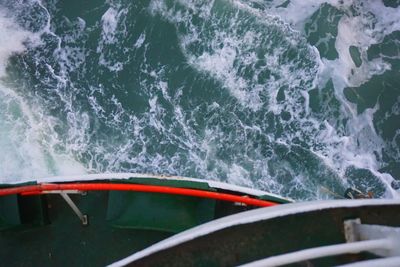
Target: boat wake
292, 97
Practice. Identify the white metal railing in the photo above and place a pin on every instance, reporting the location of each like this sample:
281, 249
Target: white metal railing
383, 241
387, 262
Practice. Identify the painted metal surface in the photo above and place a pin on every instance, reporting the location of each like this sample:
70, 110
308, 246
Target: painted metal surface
253, 216
48, 224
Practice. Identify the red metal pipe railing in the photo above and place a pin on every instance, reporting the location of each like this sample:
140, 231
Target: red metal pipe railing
42, 188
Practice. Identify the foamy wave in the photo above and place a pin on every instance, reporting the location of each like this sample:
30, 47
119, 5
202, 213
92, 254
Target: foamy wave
235, 100
12, 39
229, 55
112, 26
28, 139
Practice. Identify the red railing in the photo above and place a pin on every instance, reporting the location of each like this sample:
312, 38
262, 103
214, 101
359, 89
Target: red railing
42, 188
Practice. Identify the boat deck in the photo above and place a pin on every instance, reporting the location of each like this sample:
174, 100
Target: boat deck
38, 226
65, 241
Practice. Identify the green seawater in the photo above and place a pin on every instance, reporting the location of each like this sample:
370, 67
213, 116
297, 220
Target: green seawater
300, 99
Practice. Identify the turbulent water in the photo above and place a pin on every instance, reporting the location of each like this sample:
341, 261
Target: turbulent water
300, 98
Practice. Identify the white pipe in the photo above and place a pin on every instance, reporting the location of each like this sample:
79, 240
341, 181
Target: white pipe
319, 252
387, 262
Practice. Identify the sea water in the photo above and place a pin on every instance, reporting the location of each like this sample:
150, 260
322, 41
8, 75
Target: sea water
300, 98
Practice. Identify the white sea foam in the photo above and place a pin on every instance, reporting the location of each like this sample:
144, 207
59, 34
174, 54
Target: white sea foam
112, 26
27, 137
225, 52
139, 42
255, 137
370, 24
109, 25
28, 142
238, 175
296, 12
12, 39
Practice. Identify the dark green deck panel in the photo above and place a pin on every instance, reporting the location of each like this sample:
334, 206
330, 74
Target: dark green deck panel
274, 199
22, 210
170, 213
163, 212
17, 185
9, 213
166, 182
65, 242
33, 210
